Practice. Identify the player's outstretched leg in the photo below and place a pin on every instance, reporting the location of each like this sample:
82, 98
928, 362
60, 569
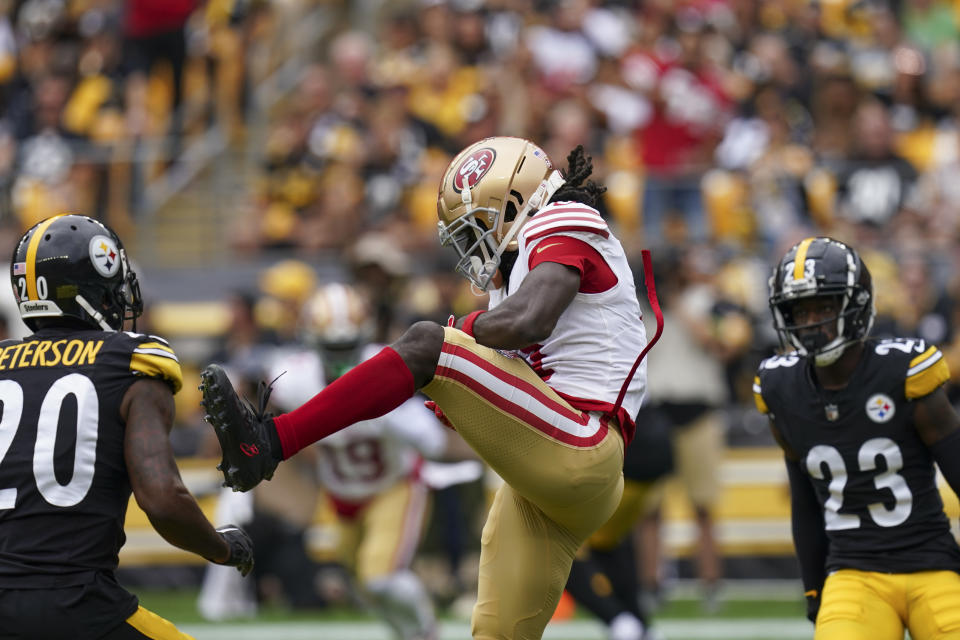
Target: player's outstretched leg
254, 443
242, 430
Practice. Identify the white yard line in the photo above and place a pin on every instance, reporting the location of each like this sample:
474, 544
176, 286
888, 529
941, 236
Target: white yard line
706, 629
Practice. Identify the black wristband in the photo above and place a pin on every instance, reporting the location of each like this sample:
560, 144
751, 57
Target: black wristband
946, 452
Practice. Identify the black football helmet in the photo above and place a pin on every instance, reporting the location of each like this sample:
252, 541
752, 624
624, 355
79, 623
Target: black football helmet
72, 266
818, 267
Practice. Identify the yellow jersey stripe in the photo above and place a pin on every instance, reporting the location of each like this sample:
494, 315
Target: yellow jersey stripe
156, 349
153, 626
758, 397
32, 256
926, 376
924, 360
158, 352
801, 258
155, 366
155, 345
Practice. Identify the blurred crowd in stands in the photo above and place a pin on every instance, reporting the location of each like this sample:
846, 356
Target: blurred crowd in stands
99, 96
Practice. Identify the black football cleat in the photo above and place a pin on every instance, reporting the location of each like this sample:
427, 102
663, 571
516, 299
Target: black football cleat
241, 429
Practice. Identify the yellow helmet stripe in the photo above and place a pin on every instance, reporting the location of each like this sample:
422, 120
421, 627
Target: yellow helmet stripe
32, 256
801, 258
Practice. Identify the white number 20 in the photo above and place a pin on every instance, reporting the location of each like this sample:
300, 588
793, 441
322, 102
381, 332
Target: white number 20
867, 461
48, 425
42, 290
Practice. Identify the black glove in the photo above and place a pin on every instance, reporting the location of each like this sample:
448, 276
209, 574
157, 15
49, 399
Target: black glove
813, 605
241, 548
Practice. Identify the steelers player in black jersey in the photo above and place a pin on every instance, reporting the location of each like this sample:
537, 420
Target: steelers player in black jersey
86, 413
861, 423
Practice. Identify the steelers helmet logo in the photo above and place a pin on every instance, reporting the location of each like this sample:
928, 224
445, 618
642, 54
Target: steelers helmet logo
105, 256
880, 408
472, 168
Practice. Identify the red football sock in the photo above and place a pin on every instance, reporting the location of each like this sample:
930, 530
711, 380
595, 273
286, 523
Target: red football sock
369, 390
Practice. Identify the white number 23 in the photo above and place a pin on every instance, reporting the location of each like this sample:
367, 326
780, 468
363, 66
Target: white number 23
867, 460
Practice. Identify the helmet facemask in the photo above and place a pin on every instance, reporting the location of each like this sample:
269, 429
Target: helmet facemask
818, 344
475, 246
129, 291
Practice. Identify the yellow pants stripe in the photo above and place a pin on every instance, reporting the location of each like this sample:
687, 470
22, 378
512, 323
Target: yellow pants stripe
153, 626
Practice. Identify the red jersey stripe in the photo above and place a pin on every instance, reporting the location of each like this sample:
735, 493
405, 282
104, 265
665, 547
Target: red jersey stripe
596, 276
589, 221
584, 229
559, 210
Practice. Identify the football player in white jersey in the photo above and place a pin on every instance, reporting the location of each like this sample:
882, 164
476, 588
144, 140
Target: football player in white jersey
369, 471
543, 385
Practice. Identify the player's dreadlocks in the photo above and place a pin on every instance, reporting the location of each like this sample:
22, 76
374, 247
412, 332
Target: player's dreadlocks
579, 168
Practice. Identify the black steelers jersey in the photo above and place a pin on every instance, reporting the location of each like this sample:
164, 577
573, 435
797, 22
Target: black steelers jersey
64, 486
871, 472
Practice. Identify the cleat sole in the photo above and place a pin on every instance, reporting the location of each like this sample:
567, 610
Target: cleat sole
214, 384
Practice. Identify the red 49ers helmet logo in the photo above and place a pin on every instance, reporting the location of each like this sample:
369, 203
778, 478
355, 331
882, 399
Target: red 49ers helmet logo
472, 168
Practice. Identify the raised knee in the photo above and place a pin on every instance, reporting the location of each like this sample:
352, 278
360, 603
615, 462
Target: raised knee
425, 331
420, 347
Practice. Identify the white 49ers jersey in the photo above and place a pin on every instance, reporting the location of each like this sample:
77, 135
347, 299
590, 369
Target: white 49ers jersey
599, 336
368, 457
362, 460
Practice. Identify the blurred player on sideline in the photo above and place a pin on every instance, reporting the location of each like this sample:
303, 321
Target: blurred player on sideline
603, 579
370, 470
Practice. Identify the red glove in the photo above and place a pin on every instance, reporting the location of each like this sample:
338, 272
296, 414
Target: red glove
437, 411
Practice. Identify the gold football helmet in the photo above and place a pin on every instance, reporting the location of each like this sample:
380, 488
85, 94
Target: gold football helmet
488, 193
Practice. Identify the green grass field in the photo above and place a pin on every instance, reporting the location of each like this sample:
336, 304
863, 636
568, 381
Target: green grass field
761, 613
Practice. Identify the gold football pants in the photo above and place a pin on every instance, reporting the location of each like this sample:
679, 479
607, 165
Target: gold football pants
867, 605
563, 474
383, 537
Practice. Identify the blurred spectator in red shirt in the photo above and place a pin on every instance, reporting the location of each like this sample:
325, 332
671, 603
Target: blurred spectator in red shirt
690, 108
155, 30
